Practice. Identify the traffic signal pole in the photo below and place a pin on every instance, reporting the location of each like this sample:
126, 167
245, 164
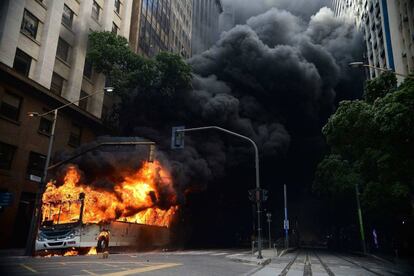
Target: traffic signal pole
256, 157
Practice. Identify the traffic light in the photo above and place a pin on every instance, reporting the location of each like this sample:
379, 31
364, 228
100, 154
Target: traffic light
177, 137
258, 195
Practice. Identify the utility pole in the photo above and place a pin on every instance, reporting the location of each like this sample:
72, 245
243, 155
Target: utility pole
361, 223
269, 220
34, 225
286, 222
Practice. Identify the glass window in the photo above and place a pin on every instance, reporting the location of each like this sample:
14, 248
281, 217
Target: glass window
6, 155
114, 28
75, 135
10, 106
22, 62
88, 69
67, 16
36, 165
117, 6
57, 84
29, 24
46, 122
96, 10
63, 49
83, 103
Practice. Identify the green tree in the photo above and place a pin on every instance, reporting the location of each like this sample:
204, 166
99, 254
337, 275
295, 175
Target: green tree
371, 143
126, 70
139, 81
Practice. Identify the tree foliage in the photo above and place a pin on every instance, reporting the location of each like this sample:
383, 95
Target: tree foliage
128, 71
371, 144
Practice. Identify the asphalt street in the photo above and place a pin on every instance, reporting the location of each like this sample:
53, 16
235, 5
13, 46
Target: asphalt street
195, 263
202, 262
324, 263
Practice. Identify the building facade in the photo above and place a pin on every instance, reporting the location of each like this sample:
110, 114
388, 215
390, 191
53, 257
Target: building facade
47, 40
150, 26
43, 45
181, 27
161, 25
205, 31
388, 30
24, 142
227, 18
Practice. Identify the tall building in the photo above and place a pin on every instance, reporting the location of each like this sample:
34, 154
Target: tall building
43, 45
227, 18
150, 26
388, 30
205, 31
161, 25
181, 27
47, 42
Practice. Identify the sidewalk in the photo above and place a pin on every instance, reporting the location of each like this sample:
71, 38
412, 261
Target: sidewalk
267, 254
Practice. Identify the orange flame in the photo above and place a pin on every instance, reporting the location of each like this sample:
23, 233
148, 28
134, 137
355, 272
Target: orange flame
134, 199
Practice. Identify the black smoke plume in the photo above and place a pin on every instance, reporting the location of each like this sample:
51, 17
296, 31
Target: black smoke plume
274, 79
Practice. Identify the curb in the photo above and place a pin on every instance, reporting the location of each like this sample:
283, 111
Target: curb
284, 251
262, 262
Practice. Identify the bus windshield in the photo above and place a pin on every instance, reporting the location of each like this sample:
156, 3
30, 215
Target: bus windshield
61, 212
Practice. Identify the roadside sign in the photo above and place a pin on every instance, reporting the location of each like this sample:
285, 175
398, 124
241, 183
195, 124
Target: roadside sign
177, 137
6, 199
286, 224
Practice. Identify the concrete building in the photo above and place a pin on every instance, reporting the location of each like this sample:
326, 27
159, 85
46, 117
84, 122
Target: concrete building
181, 27
205, 31
388, 29
43, 45
47, 40
24, 142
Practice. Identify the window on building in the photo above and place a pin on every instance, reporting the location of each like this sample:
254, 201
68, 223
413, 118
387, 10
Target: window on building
88, 69
56, 86
6, 155
36, 165
22, 62
46, 122
10, 106
30, 24
96, 10
67, 16
114, 28
117, 5
63, 50
83, 103
75, 135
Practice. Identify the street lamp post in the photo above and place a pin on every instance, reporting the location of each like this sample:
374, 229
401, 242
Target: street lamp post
359, 64
269, 220
256, 159
34, 225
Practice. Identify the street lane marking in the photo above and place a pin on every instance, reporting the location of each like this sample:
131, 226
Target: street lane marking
218, 254
234, 255
89, 272
28, 268
142, 269
111, 265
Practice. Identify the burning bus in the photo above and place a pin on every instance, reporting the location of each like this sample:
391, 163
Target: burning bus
135, 212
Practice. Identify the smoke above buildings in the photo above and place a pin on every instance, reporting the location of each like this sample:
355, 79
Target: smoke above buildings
275, 79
